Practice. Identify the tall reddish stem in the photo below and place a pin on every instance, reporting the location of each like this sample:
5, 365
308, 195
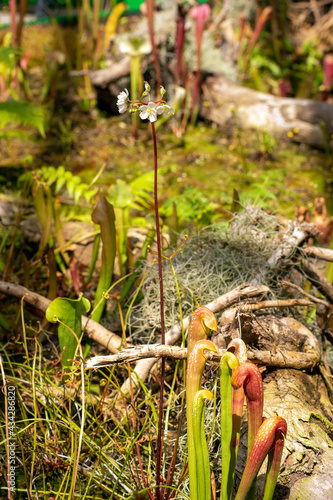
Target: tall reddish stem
12, 10
160, 276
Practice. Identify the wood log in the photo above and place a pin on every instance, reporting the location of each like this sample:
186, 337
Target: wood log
229, 105
105, 76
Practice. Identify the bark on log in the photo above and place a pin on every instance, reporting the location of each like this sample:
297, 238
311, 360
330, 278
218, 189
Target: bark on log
228, 104
105, 76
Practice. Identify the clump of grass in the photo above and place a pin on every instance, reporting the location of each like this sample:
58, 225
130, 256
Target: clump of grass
52, 421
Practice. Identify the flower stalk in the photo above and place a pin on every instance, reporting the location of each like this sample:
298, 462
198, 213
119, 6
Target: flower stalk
150, 111
160, 276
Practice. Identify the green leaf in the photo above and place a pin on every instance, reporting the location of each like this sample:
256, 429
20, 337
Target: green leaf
60, 178
8, 57
22, 113
103, 215
120, 194
69, 312
3, 323
144, 182
230, 426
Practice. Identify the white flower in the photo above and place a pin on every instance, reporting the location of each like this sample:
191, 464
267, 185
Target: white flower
165, 110
123, 101
148, 111
147, 87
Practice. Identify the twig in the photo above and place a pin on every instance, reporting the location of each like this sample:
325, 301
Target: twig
320, 253
277, 303
266, 304
136, 353
311, 297
320, 282
315, 10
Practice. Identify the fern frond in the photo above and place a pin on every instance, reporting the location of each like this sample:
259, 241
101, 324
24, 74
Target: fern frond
22, 113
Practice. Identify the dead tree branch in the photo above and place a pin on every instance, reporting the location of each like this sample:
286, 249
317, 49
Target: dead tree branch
97, 332
229, 315
320, 253
295, 235
105, 76
112, 341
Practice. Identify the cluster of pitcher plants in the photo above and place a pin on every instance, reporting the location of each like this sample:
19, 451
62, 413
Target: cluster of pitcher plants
237, 381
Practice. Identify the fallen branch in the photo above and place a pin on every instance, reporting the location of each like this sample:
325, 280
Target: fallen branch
229, 315
137, 353
112, 341
320, 253
230, 105
295, 235
105, 76
282, 359
97, 332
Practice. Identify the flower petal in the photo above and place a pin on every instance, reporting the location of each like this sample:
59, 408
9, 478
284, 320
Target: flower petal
144, 115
